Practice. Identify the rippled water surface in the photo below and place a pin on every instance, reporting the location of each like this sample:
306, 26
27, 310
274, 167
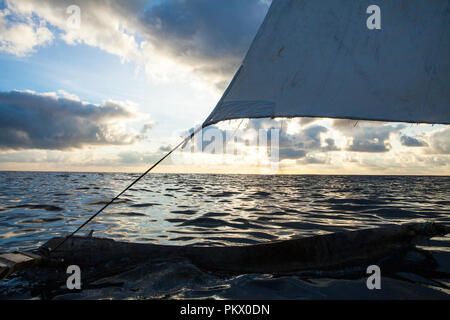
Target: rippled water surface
212, 210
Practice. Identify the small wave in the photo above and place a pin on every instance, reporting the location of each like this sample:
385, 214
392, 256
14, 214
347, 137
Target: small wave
237, 240
262, 194
173, 189
353, 201
144, 205
184, 212
250, 209
223, 194
345, 207
175, 220
45, 207
204, 222
269, 219
183, 239
287, 210
262, 235
394, 212
130, 214
41, 220
215, 214
103, 202
294, 200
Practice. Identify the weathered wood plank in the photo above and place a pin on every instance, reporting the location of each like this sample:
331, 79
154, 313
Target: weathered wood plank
14, 261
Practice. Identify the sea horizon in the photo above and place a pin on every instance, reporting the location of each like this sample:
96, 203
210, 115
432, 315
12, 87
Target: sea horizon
242, 174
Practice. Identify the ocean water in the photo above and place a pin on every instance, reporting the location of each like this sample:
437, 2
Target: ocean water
220, 210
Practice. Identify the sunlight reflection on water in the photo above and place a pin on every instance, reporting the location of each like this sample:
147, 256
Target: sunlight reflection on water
210, 209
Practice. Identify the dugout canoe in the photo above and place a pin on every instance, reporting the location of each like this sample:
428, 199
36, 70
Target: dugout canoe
321, 252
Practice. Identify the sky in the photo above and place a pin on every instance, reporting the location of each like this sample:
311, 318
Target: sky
117, 88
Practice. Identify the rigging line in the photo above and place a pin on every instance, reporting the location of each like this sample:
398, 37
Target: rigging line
126, 189
234, 133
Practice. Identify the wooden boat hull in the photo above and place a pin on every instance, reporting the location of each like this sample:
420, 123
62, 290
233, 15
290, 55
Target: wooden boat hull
320, 252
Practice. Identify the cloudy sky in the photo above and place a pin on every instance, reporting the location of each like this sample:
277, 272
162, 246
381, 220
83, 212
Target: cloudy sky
115, 92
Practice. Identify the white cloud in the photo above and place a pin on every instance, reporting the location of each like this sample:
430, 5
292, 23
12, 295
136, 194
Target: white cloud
30, 120
440, 141
23, 36
197, 40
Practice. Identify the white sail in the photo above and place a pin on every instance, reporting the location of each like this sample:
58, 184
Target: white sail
318, 58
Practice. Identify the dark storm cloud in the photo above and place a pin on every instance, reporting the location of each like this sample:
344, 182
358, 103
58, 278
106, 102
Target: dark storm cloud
331, 145
291, 153
373, 138
367, 136
305, 142
310, 137
34, 121
369, 146
205, 31
408, 141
